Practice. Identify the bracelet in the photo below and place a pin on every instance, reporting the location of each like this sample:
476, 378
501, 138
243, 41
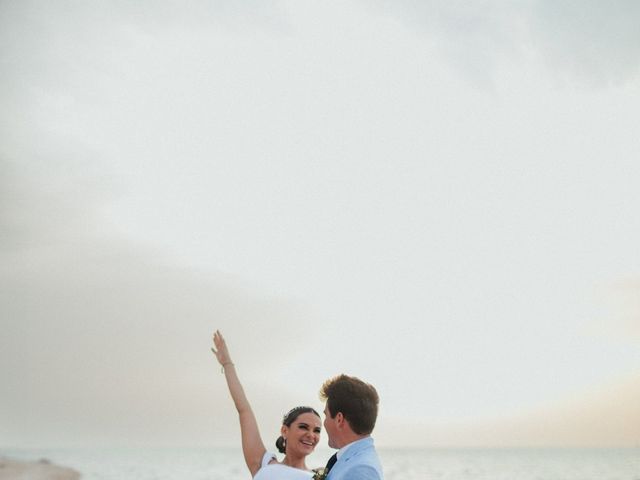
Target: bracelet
224, 365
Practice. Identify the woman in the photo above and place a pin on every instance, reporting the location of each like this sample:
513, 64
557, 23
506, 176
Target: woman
299, 434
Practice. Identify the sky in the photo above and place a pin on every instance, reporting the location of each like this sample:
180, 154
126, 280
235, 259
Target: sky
438, 197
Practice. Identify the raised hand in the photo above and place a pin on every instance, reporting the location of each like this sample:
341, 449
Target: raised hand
220, 349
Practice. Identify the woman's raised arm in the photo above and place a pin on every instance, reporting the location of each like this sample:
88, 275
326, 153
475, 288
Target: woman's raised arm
252, 446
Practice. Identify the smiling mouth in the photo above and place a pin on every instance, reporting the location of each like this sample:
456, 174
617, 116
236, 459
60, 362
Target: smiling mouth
311, 444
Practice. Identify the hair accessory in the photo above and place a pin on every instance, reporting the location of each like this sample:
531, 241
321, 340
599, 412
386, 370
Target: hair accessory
293, 410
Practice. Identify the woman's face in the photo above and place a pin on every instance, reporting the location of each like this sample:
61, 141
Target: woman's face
303, 434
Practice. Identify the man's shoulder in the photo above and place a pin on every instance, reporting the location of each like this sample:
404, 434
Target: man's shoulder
363, 448
364, 463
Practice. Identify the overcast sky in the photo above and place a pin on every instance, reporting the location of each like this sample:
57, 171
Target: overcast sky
439, 197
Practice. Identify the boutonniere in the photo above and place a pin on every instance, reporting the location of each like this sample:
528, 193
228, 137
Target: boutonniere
320, 473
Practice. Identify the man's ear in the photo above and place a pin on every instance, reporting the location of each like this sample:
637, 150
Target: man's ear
340, 420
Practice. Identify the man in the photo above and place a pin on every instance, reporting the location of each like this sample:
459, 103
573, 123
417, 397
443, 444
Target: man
350, 414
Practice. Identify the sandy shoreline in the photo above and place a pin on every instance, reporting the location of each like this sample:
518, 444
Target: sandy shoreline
37, 470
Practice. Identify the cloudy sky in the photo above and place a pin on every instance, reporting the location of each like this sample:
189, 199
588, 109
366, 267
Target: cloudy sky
439, 197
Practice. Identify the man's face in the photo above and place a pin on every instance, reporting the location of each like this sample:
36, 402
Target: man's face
330, 428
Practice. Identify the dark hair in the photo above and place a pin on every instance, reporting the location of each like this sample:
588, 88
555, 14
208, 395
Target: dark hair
288, 419
357, 400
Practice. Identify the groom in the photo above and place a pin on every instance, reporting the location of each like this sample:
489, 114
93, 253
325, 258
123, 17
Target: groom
350, 414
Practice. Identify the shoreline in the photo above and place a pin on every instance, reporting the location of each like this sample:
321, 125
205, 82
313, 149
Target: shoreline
41, 469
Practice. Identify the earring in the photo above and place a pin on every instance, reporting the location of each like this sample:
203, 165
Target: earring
284, 443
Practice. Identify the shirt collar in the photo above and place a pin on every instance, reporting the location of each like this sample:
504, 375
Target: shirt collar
348, 446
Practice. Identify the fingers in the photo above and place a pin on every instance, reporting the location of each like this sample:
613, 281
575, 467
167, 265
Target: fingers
218, 341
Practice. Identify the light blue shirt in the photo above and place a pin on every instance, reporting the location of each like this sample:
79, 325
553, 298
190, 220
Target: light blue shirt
357, 461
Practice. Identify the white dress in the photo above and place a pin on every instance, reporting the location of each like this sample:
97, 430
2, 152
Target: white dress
277, 471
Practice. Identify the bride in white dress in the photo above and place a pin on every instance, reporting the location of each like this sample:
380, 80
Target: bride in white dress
299, 434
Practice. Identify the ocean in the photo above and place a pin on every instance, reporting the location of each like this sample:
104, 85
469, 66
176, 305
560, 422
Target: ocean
398, 464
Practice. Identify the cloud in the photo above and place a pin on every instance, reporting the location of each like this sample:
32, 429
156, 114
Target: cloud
605, 416
105, 341
95, 19
102, 338
351, 171
592, 40
475, 38
597, 43
620, 315
49, 202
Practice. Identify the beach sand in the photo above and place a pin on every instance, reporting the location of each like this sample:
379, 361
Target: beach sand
38, 470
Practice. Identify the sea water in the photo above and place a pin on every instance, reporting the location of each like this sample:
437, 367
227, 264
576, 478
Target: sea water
398, 464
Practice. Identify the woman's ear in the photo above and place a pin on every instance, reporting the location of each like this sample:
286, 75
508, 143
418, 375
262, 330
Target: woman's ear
283, 430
